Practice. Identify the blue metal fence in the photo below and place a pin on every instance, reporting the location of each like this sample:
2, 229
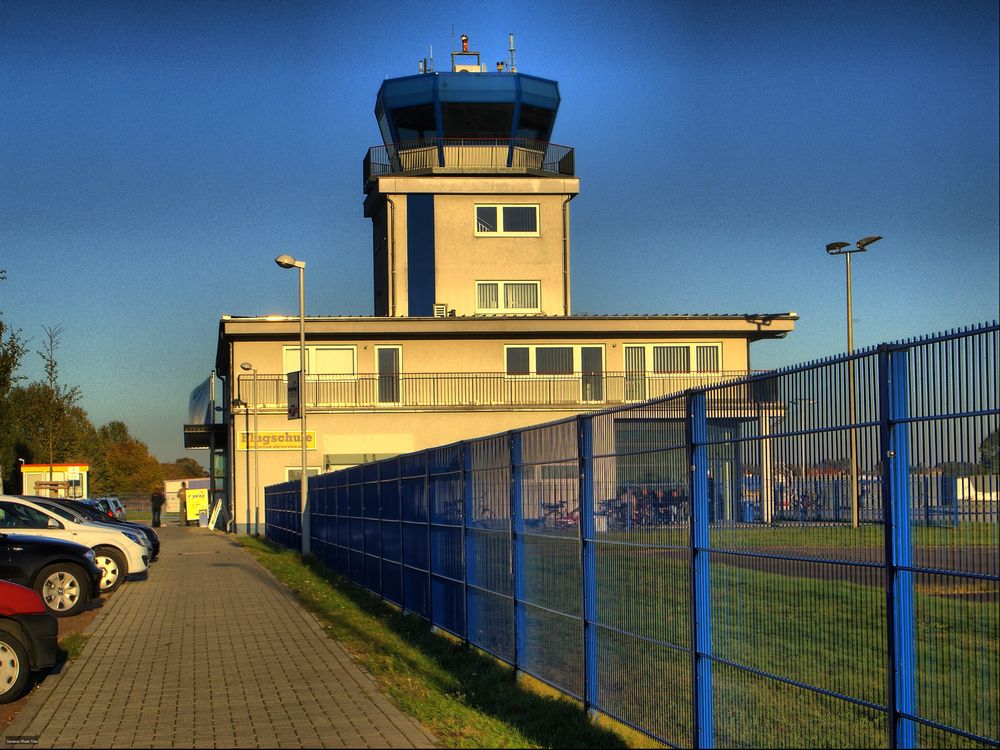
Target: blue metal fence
697, 566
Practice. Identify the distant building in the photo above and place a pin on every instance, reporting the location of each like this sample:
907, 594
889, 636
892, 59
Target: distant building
55, 480
473, 331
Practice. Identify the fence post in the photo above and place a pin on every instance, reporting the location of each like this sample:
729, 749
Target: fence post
893, 397
701, 614
517, 546
468, 541
429, 587
588, 553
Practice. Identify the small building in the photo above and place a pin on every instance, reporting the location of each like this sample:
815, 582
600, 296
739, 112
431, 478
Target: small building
55, 480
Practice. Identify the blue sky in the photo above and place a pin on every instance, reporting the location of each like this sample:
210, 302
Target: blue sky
149, 147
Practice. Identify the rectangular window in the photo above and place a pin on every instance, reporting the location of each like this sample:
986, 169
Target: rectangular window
486, 219
322, 360
499, 220
578, 370
520, 296
554, 360
487, 295
708, 358
517, 360
521, 219
508, 296
671, 359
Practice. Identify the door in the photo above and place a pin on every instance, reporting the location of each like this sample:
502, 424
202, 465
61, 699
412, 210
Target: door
592, 367
387, 363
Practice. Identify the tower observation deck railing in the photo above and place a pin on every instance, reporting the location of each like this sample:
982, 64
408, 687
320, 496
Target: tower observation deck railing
469, 156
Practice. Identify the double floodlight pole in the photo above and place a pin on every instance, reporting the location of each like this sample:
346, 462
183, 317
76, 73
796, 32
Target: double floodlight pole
847, 250
287, 261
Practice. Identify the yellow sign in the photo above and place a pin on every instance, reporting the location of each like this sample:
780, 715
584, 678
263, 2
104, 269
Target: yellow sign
275, 440
197, 501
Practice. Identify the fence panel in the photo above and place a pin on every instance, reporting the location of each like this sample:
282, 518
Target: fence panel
807, 557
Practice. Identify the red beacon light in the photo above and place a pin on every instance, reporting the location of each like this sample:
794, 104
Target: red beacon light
465, 43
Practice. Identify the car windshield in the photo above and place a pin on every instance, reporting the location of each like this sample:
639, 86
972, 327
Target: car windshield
16, 516
62, 512
88, 511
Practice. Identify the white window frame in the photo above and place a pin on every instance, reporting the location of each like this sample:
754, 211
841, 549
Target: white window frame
532, 362
692, 356
501, 296
500, 232
311, 350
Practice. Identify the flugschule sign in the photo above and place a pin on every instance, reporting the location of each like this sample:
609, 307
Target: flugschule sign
275, 440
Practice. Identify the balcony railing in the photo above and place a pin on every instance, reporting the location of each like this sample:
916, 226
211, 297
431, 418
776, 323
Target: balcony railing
469, 156
471, 391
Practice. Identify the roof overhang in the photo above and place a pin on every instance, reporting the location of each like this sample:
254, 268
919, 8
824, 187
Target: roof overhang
753, 327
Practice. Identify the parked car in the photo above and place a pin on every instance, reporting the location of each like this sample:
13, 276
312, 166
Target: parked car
65, 574
112, 506
28, 639
119, 553
85, 511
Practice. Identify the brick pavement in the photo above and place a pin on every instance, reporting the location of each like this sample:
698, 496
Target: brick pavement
210, 651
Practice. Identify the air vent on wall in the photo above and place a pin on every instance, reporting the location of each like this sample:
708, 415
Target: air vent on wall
440, 310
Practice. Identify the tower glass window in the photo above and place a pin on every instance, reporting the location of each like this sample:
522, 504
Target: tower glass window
498, 220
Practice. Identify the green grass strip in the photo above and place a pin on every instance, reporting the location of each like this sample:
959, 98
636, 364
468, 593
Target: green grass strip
466, 698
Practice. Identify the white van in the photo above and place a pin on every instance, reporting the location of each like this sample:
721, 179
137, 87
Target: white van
119, 552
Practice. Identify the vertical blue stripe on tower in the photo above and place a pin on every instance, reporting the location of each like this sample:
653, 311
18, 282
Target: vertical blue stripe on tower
420, 253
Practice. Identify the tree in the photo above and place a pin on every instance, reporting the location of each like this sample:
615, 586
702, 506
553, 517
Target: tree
12, 349
122, 463
58, 399
989, 453
183, 468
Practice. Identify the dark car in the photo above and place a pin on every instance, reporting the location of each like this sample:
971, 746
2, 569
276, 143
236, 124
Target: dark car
63, 573
90, 512
28, 639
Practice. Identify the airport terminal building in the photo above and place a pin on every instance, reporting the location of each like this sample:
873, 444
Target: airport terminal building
473, 331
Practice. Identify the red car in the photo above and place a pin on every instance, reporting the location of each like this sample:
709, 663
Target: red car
28, 638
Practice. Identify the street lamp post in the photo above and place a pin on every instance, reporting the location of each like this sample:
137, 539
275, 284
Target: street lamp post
845, 249
287, 261
239, 403
246, 366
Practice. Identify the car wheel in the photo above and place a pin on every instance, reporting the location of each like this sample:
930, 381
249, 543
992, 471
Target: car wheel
14, 666
65, 589
113, 568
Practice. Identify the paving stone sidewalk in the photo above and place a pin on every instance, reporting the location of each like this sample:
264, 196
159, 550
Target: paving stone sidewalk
210, 651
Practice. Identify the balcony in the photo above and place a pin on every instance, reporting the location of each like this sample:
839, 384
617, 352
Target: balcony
473, 391
495, 156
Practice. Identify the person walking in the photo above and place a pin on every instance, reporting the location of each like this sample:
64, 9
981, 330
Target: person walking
182, 500
156, 500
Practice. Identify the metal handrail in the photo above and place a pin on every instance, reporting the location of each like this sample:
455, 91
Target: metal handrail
469, 155
458, 390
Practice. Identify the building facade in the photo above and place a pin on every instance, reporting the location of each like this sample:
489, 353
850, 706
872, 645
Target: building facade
473, 331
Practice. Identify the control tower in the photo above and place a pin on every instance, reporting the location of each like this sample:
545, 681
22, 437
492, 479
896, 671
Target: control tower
467, 195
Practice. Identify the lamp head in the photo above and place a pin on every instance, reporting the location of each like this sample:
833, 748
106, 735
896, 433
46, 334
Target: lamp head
246, 366
864, 243
287, 261
835, 247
